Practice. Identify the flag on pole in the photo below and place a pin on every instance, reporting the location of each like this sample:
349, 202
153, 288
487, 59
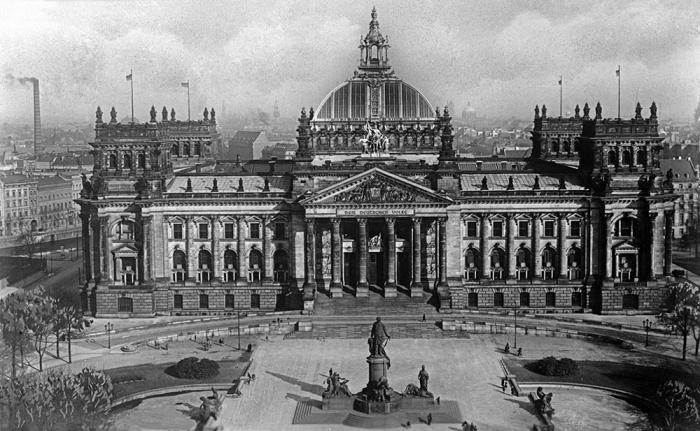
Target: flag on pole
186, 84
617, 72
129, 76
559, 80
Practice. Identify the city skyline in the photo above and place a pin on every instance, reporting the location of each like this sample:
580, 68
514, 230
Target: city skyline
502, 58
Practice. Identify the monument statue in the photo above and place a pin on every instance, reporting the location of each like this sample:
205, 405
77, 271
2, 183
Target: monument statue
423, 377
378, 339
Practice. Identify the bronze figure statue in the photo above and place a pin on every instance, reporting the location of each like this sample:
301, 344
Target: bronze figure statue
378, 339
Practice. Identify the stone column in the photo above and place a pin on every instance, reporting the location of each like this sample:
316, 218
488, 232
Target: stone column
510, 247
657, 246
561, 244
442, 286
87, 264
668, 246
310, 253
105, 253
416, 285
390, 286
96, 247
336, 265
536, 256
215, 248
362, 285
147, 249
594, 251
608, 253
484, 245
267, 250
675, 228
242, 276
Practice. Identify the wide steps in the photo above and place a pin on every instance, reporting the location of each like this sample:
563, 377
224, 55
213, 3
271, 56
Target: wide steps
375, 304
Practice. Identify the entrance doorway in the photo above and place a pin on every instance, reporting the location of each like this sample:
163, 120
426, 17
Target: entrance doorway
375, 272
349, 268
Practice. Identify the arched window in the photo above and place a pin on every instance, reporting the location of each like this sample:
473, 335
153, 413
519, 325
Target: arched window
549, 263
555, 146
204, 261
626, 158
125, 230
127, 161
197, 149
141, 161
113, 161
471, 264
523, 262
255, 265
567, 146
498, 262
186, 150
612, 157
175, 150
574, 262
179, 265
281, 264
230, 265
642, 157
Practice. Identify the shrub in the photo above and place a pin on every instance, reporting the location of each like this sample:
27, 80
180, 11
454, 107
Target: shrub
194, 368
551, 366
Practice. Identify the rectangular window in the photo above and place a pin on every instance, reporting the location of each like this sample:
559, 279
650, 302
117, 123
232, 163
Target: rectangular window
497, 228
177, 231
550, 299
254, 300
498, 299
203, 231
575, 228
549, 228
280, 231
177, 302
471, 228
523, 228
524, 299
228, 230
255, 230
203, 301
229, 301
576, 299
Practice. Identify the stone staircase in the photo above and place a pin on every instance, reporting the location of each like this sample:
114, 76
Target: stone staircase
374, 305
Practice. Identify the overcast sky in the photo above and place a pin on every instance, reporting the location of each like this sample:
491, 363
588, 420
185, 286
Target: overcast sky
502, 56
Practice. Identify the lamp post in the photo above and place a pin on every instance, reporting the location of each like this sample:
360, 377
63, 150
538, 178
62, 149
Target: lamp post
109, 327
515, 328
647, 327
238, 326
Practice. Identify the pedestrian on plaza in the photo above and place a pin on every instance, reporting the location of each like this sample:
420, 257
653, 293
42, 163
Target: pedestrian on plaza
424, 317
430, 418
504, 384
437, 400
408, 424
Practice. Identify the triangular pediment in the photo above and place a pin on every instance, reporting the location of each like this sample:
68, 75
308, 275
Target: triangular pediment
125, 249
373, 187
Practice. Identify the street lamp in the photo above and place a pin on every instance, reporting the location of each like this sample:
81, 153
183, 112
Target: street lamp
647, 327
109, 327
515, 327
238, 314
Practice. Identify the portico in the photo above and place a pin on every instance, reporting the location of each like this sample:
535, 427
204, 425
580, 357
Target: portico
386, 233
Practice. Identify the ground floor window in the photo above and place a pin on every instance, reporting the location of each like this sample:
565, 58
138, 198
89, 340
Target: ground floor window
576, 299
630, 301
254, 300
125, 305
177, 301
498, 299
550, 299
229, 301
203, 301
473, 299
524, 299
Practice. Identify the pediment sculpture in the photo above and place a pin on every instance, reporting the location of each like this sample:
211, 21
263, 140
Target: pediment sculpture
376, 190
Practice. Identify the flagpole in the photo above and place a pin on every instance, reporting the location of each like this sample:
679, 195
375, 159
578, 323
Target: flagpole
131, 73
188, 100
618, 91
561, 94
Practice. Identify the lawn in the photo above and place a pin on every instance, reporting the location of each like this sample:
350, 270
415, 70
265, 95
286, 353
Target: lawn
145, 377
638, 379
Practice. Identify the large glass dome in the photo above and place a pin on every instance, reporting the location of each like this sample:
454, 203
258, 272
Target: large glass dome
397, 100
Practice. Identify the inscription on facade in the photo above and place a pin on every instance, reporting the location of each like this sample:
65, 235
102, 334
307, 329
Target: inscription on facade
371, 212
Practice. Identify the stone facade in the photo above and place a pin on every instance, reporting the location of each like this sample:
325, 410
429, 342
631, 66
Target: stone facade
380, 203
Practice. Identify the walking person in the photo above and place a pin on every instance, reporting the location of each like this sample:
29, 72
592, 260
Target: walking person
430, 418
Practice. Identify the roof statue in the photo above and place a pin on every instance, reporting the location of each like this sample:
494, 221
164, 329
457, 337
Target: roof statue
537, 112
153, 114
113, 115
172, 114
206, 114
653, 110
544, 111
598, 111
165, 114
638, 112
577, 112
374, 36
586, 111
98, 115
212, 115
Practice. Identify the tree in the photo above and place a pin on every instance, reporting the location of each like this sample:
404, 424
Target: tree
13, 319
40, 321
57, 400
682, 303
678, 403
29, 238
68, 314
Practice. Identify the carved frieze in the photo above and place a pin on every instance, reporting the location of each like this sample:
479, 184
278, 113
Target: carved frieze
376, 190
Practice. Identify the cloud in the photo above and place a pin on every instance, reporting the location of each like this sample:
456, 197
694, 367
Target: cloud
502, 56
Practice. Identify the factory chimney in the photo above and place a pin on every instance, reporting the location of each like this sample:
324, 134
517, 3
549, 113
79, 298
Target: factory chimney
37, 112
